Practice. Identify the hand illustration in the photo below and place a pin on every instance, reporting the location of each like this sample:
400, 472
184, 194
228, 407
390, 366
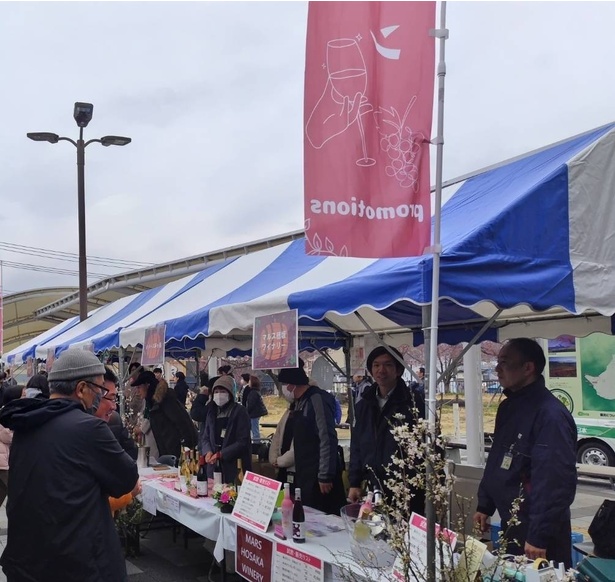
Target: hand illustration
333, 114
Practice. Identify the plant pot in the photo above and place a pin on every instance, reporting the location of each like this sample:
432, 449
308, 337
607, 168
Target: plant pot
226, 508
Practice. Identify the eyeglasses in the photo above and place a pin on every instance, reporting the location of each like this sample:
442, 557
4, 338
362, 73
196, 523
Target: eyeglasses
113, 398
103, 390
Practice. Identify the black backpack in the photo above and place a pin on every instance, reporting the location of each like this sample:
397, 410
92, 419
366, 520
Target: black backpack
602, 530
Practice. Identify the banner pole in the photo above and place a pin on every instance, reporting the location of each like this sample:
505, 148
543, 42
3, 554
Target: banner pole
442, 34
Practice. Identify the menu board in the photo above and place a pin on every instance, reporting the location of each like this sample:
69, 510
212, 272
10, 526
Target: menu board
294, 565
253, 556
256, 500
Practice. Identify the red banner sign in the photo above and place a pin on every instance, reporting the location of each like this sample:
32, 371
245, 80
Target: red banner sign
253, 556
369, 86
153, 345
275, 341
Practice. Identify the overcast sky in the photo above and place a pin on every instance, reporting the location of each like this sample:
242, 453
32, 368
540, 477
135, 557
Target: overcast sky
212, 95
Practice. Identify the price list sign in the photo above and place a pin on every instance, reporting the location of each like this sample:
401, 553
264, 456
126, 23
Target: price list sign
293, 565
253, 556
256, 500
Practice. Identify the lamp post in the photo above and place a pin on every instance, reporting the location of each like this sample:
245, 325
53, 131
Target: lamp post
83, 115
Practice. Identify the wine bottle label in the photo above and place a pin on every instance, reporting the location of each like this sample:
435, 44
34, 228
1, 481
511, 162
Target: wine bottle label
299, 531
201, 488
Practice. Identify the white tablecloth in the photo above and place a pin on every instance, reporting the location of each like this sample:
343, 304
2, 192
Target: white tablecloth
201, 516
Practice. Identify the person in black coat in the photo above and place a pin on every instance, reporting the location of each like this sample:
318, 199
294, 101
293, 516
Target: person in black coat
386, 403
181, 388
226, 435
65, 464
534, 455
311, 422
170, 422
253, 401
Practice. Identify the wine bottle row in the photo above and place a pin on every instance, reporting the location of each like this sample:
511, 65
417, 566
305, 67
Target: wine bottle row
192, 473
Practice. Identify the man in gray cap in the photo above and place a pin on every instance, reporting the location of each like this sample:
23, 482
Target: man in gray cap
65, 463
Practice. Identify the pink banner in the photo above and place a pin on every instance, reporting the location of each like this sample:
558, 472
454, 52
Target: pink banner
369, 85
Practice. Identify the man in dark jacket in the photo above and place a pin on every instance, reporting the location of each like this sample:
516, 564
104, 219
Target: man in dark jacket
65, 463
533, 455
318, 470
386, 403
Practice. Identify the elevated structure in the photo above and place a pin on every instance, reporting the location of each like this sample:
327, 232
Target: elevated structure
20, 321
30, 313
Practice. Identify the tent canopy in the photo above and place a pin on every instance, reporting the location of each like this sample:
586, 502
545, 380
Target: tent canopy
531, 238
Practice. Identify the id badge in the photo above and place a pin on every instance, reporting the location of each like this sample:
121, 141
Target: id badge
506, 461
222, 433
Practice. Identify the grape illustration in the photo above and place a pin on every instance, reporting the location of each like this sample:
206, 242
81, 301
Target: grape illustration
402, 145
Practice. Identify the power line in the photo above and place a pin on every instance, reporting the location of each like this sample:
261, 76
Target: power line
42, 269
71, 257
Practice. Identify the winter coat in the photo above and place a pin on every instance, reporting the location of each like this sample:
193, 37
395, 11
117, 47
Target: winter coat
170, 422
65, 464
541, 436
6, 437
236, 443
253, 401
181, 390
120, 432
316, 450
372, 445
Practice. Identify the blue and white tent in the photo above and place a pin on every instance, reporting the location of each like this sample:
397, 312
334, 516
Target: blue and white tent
529, 244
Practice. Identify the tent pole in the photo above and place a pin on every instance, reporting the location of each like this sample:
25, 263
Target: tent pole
120, 357
441, 34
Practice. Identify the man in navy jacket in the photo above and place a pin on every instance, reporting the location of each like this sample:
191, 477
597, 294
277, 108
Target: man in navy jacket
387, 403
533, 456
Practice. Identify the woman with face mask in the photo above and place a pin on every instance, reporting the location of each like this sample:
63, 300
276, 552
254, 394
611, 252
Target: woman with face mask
282, 450
227, 431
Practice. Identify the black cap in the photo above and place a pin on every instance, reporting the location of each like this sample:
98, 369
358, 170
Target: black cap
145, 377
295, 376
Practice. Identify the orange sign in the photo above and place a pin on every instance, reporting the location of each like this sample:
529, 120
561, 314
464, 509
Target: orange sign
275, 341
153, 345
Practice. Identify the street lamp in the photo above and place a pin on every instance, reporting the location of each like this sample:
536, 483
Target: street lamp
83, 115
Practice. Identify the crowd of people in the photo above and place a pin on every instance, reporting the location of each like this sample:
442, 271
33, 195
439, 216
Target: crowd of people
63, 430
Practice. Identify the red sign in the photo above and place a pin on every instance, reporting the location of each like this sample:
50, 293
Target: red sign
153, 345
369, 85
275, 342
253, 556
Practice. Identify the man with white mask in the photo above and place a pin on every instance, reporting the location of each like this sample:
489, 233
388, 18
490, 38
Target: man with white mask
227, 431
318, 468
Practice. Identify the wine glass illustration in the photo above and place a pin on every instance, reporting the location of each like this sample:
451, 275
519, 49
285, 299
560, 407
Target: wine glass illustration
348, 77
